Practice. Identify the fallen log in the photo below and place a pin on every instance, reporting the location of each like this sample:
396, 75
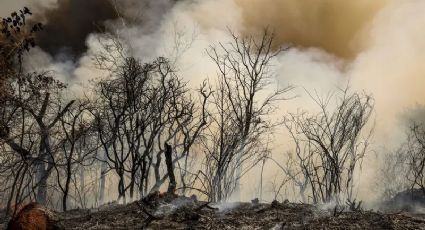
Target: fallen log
33, 216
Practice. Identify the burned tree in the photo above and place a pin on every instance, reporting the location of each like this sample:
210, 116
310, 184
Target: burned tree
142, 106
77, 147
329, 144
188, 121
239, 123
32, 113
416, 156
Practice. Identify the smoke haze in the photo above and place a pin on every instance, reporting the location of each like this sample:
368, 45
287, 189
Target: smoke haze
333, 25
68, 23
376, 46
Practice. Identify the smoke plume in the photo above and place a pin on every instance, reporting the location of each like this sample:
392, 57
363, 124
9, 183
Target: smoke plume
333, 25
67, 25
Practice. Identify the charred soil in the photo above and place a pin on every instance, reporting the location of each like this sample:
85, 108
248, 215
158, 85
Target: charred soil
187, 213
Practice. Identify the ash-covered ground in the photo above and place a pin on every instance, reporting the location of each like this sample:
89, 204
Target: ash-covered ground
188, 213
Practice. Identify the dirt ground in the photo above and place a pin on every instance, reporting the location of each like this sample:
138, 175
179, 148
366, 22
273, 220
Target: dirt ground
186, 213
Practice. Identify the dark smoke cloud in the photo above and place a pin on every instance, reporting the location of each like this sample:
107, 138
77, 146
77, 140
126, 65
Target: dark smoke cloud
67, 26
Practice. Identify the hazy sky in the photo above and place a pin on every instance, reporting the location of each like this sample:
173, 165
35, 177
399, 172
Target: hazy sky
8, 6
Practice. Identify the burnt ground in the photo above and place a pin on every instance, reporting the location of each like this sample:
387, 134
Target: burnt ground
185, 213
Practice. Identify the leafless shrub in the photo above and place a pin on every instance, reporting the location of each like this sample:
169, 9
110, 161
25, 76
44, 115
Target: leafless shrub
329, 145
392, 173
416, 156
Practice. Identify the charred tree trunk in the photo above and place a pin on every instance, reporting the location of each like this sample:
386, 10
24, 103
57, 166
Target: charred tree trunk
67, 182
170, 170
103, 170
41, 178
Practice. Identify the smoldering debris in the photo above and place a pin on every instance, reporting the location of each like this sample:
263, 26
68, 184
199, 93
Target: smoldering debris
192, 214
410, 200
